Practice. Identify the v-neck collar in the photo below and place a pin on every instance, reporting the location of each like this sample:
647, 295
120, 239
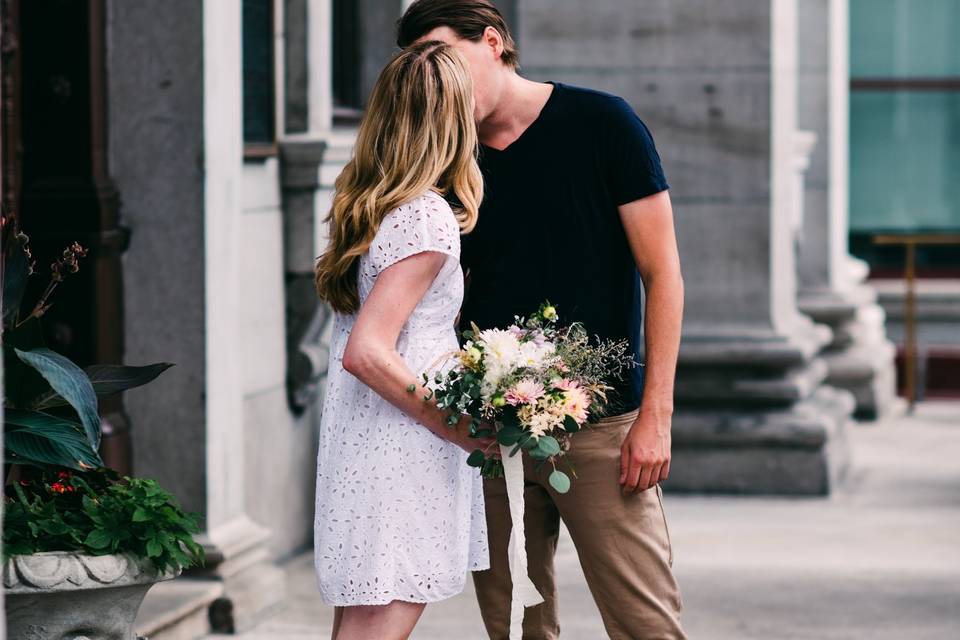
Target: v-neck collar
533, 125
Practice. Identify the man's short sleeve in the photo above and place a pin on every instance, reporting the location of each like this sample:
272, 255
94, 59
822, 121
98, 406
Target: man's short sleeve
632, 165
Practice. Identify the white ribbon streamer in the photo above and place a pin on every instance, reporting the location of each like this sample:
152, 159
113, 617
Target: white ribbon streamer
524, 592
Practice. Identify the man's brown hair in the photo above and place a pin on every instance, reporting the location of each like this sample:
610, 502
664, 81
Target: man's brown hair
467, 18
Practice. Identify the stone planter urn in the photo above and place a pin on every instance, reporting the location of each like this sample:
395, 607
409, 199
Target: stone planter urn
64, 595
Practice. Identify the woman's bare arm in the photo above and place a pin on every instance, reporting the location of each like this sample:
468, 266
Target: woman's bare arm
371, 353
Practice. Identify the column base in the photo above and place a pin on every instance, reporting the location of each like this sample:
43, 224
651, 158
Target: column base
860, 359
800, 450
869, 374
237, 556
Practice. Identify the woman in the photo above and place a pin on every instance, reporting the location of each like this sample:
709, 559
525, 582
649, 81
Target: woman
399, 515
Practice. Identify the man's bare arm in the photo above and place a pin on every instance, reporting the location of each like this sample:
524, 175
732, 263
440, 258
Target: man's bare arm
648, 224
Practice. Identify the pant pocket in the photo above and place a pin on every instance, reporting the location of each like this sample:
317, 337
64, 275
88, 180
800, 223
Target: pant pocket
666, 528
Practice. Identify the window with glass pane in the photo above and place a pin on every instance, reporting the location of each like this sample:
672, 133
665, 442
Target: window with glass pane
258, 77
363, 42
904, 124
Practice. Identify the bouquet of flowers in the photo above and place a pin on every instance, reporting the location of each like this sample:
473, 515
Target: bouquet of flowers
533, 384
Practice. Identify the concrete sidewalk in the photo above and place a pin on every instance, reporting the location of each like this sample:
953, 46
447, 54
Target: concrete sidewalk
879, 559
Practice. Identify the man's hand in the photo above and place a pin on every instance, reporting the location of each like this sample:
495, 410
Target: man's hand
645, 454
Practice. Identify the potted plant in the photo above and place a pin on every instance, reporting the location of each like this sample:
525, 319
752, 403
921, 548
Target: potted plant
81, 544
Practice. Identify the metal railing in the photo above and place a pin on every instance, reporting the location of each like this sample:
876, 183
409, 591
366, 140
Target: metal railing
910, 241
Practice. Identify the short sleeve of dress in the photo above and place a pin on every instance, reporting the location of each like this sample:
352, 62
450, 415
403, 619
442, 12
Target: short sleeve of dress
424, 224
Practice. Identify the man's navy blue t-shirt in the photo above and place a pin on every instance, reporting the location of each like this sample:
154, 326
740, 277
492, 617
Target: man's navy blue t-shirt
549, 228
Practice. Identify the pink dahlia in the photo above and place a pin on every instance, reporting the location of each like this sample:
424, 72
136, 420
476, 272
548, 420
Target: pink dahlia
566, 384
575, 404
525, 391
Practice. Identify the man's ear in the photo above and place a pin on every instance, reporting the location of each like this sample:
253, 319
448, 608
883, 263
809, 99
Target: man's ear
492, 38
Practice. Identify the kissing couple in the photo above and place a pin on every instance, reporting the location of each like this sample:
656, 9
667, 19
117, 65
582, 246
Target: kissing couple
536, 191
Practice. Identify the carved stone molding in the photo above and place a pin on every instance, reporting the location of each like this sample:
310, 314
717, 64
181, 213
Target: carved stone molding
66, 570
63, 595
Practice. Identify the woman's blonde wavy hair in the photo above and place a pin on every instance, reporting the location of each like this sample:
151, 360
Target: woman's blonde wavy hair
418, 133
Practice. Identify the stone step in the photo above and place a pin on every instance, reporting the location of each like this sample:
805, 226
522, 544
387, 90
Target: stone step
177, 609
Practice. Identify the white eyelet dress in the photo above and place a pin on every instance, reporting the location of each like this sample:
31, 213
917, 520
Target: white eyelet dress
399, 514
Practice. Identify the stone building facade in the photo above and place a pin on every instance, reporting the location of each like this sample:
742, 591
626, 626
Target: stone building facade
222, 188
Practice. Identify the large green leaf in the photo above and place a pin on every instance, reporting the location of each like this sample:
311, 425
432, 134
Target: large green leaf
99, 539
108, 379
33, 437
21, 382
72, 383
15, 272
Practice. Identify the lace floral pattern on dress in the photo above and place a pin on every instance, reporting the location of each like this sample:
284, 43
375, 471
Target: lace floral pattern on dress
399, 515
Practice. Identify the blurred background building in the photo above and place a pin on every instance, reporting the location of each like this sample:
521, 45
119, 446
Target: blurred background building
193, 145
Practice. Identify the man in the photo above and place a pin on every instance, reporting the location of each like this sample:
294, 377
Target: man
576, 207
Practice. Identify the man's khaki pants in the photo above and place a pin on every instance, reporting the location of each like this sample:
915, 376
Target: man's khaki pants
622, 541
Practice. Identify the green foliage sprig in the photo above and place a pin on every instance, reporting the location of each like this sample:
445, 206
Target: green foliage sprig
98, 512
58, 495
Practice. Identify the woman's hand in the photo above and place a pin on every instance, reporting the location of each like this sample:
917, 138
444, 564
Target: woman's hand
460, 436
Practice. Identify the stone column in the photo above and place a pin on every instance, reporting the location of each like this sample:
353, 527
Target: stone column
717, 84
176, 150
831, 289
311, 158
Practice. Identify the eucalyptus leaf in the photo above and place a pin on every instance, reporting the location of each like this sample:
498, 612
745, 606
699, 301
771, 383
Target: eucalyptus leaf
509, 435
538, 454
476, 458
487, 467
72, 383
570, 425
560, 481
549, 445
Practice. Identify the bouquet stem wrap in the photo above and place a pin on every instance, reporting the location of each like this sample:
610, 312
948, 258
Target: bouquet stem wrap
524, 593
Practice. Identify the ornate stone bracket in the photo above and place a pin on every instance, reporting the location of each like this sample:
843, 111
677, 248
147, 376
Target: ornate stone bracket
307, 318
